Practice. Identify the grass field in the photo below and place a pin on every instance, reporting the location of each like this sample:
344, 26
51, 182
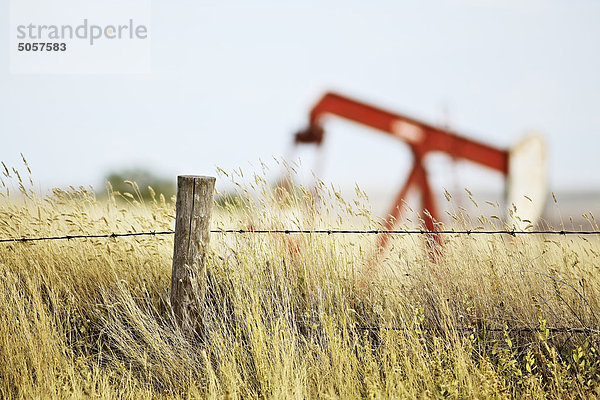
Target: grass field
288, 316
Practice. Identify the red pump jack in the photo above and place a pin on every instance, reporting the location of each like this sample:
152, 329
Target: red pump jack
421, 137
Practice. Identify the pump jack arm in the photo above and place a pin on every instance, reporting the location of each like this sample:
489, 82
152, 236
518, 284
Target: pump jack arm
420, 136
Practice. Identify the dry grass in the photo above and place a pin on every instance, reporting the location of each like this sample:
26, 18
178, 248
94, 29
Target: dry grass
284, 317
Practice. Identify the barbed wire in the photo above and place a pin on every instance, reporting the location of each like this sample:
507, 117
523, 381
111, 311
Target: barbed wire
98, 236
405, 232
524, 329
307, 232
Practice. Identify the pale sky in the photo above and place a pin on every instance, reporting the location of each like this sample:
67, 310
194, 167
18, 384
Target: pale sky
232, 81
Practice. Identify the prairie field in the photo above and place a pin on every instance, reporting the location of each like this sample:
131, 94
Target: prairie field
288, 316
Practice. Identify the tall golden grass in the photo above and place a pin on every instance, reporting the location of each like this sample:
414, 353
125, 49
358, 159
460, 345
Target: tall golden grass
286, 316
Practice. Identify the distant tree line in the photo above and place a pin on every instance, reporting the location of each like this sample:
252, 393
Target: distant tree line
138, 181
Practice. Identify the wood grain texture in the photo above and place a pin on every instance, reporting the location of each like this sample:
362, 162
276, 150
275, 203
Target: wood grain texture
194, 208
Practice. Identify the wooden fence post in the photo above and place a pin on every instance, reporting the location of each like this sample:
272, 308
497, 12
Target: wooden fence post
193, 211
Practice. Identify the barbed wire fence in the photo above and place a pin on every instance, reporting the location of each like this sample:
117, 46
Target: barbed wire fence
376, 330
474, 328
307, 232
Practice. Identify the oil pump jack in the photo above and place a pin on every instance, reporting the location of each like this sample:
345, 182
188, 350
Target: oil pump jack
523, 166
